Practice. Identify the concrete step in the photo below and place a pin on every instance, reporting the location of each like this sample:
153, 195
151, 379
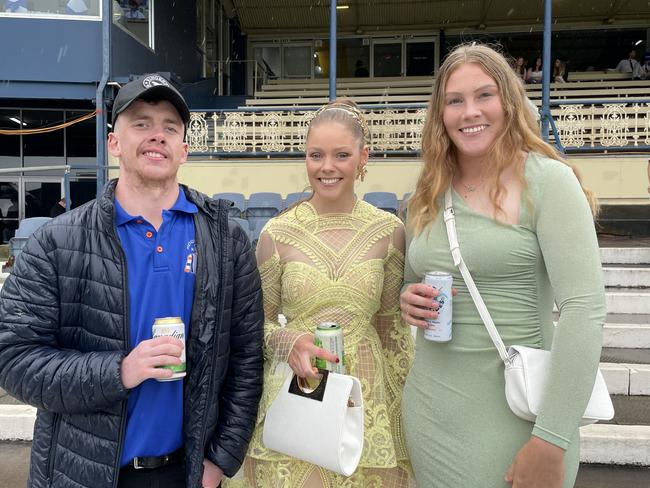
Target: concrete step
17, 422
627, 331
625, 255
626, 356
627, 379
627, 275
627, 301
615, 444
609, 476
630, 410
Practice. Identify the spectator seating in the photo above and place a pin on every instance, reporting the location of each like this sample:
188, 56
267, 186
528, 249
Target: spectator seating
384, 200
261, 207
26, 228
239, 207
295, 196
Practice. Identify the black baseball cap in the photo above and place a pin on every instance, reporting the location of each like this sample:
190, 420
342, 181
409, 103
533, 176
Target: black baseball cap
153, 88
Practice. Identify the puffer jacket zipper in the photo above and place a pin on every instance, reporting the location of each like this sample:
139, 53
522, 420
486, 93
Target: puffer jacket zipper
223, 231
55, 438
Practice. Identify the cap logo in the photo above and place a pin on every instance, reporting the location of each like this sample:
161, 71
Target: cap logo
154, 80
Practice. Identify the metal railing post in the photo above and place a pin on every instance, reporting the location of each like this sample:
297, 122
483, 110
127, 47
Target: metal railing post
546, 70
332, 86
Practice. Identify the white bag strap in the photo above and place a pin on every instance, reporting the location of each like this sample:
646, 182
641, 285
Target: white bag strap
454, 247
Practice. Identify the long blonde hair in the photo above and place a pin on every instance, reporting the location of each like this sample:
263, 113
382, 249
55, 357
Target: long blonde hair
521, 133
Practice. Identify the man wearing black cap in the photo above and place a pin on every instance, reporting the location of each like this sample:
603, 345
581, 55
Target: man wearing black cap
117, 407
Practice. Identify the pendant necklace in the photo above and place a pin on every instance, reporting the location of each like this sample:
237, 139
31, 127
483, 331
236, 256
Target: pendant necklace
468, 188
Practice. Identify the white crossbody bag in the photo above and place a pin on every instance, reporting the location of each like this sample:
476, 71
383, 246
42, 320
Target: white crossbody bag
526, 368
323, 426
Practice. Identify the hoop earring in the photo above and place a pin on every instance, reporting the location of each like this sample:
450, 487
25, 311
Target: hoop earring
361, 172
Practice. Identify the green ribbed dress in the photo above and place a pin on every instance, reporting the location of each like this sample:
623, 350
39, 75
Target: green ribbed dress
460, 432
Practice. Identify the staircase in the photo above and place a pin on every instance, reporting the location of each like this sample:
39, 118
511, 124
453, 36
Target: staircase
625, 362
620, 448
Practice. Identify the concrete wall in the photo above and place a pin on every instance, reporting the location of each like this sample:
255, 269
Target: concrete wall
615, 179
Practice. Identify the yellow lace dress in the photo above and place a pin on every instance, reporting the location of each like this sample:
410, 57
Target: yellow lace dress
346, 268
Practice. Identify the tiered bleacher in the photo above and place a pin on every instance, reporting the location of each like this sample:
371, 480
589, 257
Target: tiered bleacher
417, 90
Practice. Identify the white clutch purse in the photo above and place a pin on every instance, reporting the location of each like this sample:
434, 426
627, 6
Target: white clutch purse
526, 375
323, 426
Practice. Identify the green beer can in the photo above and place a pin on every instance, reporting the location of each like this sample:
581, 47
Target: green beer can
174, 327
329, 336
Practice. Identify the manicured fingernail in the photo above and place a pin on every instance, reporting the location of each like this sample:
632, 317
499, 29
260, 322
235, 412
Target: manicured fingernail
337, 360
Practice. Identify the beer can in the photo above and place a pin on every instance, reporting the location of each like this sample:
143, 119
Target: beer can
440, 329
329, 336
174, 327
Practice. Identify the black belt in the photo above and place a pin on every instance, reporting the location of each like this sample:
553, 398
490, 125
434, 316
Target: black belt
153, 462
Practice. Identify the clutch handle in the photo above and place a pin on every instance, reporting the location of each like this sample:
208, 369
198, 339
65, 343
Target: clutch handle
317, 393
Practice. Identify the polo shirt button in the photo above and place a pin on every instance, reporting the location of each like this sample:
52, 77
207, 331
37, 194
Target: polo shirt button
149, 234
138, 221
159, 249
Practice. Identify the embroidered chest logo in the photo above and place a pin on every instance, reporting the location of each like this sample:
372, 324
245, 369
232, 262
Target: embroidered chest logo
190, 260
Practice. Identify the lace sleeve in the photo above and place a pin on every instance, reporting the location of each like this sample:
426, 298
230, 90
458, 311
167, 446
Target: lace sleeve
395, 335
278, 340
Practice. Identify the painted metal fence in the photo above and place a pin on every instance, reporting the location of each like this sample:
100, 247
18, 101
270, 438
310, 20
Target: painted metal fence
595, 126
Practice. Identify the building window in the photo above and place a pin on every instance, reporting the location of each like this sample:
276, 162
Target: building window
136, 17
46, 143
80, 137
82, 9
10, 143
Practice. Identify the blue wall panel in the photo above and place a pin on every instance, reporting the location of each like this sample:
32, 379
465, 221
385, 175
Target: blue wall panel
50, 50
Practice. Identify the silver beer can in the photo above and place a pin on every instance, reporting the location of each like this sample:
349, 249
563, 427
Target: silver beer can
173, 327
440, 329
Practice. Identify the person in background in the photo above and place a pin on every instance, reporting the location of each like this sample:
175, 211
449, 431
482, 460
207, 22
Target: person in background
77, 311
629, 65
360, 70
645, 67
336, 258
534, 73
515, 202
559, 71
520, 68
58, 208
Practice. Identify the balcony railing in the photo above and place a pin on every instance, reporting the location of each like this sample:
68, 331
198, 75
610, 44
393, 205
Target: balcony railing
595, 126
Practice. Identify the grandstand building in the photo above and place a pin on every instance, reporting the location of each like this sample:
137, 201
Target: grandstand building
253, 72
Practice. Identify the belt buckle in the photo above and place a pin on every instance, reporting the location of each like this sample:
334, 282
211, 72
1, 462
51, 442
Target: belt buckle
136, 463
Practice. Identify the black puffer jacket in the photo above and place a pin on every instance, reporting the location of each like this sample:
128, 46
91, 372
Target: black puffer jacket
64, 330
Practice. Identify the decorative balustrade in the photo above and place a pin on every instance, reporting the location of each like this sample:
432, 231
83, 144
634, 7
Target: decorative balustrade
604, 126
587, 126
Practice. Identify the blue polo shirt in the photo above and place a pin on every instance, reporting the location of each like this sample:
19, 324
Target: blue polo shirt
161, 273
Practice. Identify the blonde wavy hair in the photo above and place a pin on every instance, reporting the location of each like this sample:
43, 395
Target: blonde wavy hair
521, 133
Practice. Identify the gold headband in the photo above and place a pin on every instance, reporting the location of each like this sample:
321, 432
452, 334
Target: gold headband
354, 112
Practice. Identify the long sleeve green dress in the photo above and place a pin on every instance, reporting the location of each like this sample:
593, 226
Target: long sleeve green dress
459, 429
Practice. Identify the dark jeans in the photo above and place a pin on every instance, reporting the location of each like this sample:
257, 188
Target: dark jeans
172, 476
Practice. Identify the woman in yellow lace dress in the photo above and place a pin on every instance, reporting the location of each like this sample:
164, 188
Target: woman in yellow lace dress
336, 258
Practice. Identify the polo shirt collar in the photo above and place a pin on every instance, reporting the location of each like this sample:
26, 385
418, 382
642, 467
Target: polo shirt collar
182, 204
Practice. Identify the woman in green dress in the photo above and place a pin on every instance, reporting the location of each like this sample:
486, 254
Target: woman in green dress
526, 231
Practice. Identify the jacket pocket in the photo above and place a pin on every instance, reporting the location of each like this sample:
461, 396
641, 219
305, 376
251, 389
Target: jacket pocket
56, 422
